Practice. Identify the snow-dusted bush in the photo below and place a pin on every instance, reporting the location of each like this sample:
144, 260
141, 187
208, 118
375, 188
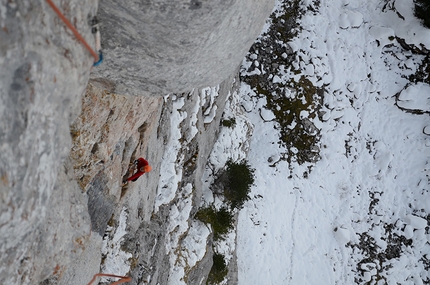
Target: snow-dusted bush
221, 220
239, 179
218, 271
230, 123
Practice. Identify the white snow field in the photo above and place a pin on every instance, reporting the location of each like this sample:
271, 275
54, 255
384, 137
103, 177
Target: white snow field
362, 214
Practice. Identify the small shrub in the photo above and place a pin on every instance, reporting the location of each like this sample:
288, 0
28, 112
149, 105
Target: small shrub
422, 11
230, 123
240, 177
221, 220
218, 271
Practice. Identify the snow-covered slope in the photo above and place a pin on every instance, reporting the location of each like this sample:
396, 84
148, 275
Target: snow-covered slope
361, 215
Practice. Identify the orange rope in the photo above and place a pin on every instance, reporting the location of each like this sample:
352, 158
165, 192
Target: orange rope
122, 280
68, 24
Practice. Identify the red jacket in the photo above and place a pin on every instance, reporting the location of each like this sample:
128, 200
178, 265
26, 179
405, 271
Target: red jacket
141, 163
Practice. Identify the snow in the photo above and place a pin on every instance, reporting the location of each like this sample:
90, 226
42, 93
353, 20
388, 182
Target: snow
116, 261
193, 121
415, 97
350, 19
410, 28
209, 93
171, 175
196, 239
193, 248
232, 142
299, 232
415, 222
185, 240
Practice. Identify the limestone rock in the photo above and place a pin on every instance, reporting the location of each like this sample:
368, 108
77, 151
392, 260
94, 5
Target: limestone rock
111, 132
123, 128
43, 73
163, 46
60, 186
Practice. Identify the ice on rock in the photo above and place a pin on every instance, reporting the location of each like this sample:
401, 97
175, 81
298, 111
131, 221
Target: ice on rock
343, 236
415, 222
409, 232
415, 97
381, 34
350, 19
266, 114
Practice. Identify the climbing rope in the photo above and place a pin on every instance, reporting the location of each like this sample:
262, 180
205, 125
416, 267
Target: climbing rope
123, 279
97, 57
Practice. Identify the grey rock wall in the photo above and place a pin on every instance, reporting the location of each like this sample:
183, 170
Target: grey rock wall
51, 217
43, 72
114, 123
163, 46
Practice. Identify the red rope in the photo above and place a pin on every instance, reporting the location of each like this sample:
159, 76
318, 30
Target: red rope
77, 34
122, 280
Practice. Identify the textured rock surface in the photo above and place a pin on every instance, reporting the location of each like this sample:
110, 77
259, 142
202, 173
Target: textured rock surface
43, 73
111, 132
124, 128
55, 204
163, 46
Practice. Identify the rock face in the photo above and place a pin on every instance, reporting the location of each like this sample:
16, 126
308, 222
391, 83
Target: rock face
111, 132
58, 198
43, 73
163, 46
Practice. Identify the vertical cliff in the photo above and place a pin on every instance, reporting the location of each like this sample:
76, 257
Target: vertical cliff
66, 144
111, 132
43, 73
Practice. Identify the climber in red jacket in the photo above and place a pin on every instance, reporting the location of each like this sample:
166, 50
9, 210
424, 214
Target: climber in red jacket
142, 167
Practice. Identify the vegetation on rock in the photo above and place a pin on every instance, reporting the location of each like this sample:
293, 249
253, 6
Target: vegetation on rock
218, 271
422, 11
221, 220
229, 123
289, 98
237, 181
